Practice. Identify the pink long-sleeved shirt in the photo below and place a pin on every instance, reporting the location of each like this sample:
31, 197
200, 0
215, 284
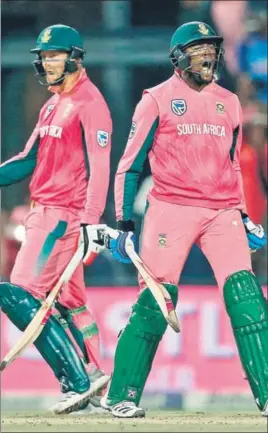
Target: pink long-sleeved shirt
192, 140
68, 153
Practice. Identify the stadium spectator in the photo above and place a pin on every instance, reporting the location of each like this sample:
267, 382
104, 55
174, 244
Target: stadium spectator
252, 58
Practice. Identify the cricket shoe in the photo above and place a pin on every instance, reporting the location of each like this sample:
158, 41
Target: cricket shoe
94, 374
127, 409
103, 400
124, 409
72, 401
89, 410
264, 412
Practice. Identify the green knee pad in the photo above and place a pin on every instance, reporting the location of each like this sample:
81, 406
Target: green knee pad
248, 312
137, 346
53, 343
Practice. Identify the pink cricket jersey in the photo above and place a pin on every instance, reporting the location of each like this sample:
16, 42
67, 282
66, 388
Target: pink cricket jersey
193, 141
68, 153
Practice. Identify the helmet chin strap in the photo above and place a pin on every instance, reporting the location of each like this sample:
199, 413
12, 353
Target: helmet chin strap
57, 82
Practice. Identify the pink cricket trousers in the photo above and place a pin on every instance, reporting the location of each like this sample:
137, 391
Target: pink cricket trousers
51, 240
170, 230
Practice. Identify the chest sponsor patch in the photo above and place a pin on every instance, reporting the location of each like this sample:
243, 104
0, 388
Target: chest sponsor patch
102, 138
132, 129
178, 106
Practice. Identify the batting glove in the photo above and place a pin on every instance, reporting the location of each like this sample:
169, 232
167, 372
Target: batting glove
90, 237
255, 233
116, 242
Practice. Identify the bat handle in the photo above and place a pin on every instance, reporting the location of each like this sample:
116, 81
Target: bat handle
3, 365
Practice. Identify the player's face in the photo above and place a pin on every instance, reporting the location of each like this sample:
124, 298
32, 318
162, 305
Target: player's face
202, 60
54, 64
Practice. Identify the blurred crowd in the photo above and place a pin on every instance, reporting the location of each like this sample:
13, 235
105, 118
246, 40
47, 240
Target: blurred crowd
243, 24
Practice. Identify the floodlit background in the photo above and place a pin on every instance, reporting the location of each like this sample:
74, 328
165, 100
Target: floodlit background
127, 44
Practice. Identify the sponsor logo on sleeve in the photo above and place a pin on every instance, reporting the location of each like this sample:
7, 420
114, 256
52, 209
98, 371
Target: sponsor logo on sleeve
102, 138
178, 106
132, 129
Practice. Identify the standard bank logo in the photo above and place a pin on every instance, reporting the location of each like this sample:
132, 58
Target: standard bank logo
102, 138
178, 106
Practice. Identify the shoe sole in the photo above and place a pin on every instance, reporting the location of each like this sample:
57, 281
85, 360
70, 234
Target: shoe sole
105, 406
90, 410
82, 398
264, 412
95, 401
139, 414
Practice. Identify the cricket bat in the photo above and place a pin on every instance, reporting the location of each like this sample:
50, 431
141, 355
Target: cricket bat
157, 289
37, 324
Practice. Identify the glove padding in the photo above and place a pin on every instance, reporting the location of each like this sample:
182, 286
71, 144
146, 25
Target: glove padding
255, 233
91, 238
117, 244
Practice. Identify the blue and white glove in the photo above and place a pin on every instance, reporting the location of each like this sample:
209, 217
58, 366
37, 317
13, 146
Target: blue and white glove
255, 234
90, 238
118, 239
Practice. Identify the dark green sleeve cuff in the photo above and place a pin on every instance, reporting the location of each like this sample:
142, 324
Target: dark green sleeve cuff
126, 226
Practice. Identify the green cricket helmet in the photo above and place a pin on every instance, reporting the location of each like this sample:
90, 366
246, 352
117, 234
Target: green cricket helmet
59, 37
189, 34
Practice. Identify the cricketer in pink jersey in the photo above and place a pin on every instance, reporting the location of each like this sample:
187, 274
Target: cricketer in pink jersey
190, 128
68, 159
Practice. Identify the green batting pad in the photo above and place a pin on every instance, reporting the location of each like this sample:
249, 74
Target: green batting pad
53, 343
136, 348
248, 312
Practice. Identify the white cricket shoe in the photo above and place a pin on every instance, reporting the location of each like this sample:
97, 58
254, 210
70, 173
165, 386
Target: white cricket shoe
72, 401
103, 400
124, 409
264, 412
89, 410
127, 409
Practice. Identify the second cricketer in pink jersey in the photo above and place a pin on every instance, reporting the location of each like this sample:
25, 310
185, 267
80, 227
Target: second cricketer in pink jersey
68, 159
190, 128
